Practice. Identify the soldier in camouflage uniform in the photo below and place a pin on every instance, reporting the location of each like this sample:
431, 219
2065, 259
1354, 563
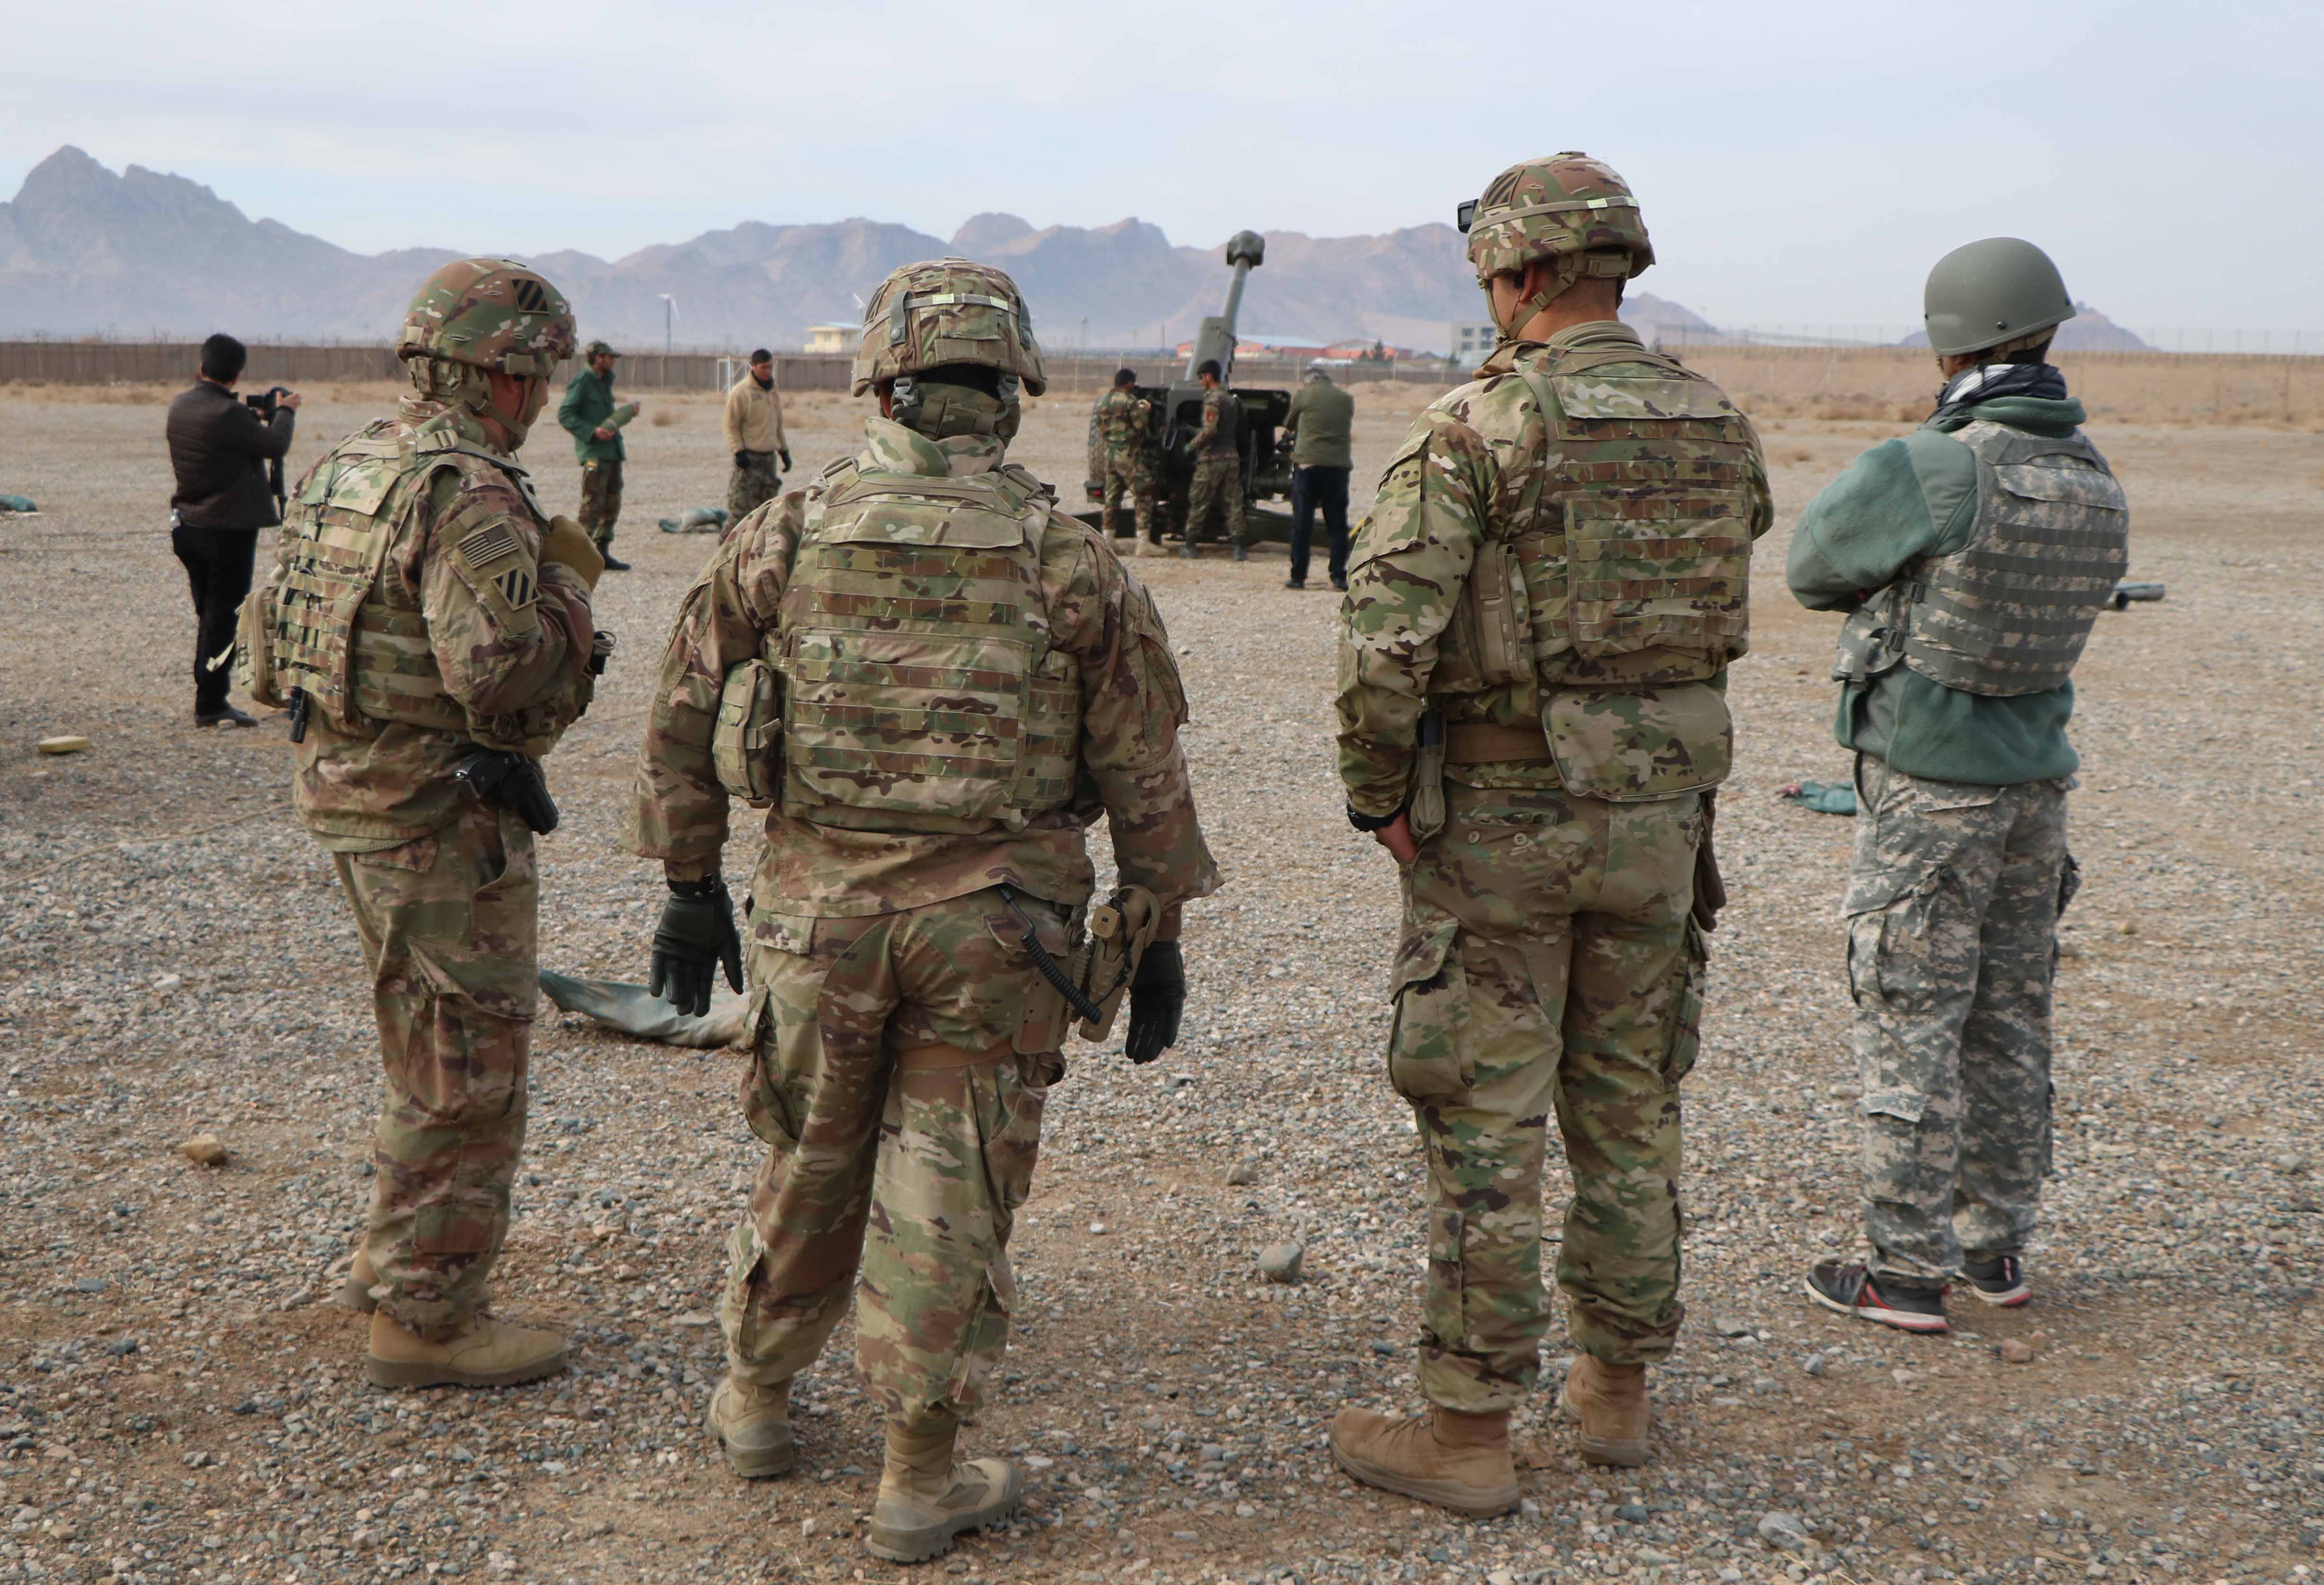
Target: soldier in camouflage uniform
428, 627
1217, 484
1121, 417
933, 681
1541, 609
1973, 557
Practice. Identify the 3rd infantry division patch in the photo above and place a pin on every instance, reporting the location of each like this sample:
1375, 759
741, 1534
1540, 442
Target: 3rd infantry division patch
515, 587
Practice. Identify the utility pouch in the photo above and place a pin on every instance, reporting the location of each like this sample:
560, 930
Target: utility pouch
746, 745
1425, 801
1630, 746
1120, 931
253, 648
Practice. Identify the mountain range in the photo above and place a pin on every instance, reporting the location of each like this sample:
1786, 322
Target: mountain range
86, 251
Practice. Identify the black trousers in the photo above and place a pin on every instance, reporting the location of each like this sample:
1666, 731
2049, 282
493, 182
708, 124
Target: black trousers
218, 570
1312, 488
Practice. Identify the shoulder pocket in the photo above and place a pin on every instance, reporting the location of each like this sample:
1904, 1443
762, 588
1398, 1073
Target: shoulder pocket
1429, 1058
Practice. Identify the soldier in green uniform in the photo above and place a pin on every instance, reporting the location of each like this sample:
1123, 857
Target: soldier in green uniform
429, 627
1121, 416
590, 415
1972, 556
933, 681
1541, 609
1216, 488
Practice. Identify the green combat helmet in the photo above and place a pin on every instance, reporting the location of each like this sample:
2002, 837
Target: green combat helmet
1568, 208
474, 316
948, 311
2000, 293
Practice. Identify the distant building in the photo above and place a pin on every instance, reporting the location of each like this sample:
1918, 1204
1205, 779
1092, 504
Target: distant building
833, 338
1253, 345
1473, 344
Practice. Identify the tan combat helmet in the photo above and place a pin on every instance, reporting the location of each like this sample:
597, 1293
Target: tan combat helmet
1566, 207
948, 312
490, 314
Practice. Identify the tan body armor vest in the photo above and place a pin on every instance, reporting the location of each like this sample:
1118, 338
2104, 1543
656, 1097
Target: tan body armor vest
328, 625
920, 689
1626, 563
2009, 612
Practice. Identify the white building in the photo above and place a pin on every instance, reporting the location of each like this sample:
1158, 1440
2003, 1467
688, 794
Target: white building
1472, 343
833, 338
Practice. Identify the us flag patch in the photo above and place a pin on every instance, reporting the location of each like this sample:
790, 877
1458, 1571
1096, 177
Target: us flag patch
489, 543
515, 587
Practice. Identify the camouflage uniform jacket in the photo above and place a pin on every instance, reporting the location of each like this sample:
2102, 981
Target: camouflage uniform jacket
511, 643
1221, 432
1132, 768
1121, 421
1474, 471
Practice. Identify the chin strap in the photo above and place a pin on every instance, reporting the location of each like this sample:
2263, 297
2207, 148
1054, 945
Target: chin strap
1569, 268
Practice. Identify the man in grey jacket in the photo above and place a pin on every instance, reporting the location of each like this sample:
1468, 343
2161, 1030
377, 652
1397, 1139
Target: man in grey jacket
219, 447
1972, 556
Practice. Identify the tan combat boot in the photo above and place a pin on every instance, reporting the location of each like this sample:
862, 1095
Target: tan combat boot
754, 1424
925, 1499
354, 1293
1609, 1401
487, 1353
1455, 1460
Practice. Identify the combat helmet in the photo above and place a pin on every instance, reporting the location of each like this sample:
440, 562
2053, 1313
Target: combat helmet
948, 312
1567, 207
489, 314
2000, 294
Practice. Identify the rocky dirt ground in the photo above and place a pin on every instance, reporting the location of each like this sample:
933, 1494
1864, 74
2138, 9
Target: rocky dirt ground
179, 1402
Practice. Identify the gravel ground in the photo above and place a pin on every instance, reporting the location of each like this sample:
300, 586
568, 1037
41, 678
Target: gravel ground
177, 1403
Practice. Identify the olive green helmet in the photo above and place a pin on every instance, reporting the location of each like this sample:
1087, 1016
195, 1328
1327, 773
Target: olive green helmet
1991, 293
490, 314
1568, 208
948, 312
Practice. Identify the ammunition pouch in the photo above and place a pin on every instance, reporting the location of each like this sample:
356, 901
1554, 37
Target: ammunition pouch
746, 743
1425, 798
1120, 931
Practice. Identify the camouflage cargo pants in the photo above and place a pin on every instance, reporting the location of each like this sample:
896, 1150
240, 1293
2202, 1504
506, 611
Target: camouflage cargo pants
448, 924
600, 500
750, 488
902, 1062
1126, 473
1547, 964
1216, 488
1952, 912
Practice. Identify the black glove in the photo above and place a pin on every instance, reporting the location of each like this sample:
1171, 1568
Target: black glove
786, 458
512, 782
1157, 997
696, 934
741, 459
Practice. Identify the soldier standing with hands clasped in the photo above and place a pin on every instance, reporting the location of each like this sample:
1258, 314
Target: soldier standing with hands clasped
754, 433
590, 415
1973, 557
1543, 602
933, 681
428, 629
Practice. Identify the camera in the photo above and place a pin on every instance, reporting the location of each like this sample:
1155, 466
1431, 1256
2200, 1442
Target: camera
263, 404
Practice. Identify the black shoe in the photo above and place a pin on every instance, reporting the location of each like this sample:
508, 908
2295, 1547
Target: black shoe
1341, 585
1850, 1288
1295, 582
1241, 554
612, 566
224, 716
1998, 1281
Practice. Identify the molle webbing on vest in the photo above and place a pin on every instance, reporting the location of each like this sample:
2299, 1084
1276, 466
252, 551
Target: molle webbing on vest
2010, 611
920, 689
1637, 555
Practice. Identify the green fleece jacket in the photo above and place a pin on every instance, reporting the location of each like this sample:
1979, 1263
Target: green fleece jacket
1902, 499
588, 402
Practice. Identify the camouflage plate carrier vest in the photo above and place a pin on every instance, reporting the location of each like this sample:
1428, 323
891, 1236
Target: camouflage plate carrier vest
2009, 612
1627, 564
328, 626
920, 689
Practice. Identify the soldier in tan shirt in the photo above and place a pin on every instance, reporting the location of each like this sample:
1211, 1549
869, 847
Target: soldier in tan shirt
754, 433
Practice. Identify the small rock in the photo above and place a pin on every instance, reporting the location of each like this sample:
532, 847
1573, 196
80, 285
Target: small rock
806, 1527
697, 1318
1901, 1376
2017, 1350
1731, 1326
1243, 1173
2290, 1164
90, 1285
1280, 1262
2128, 927
1528, 1509
168, 984
1783, 1531
204, 1150
1815, 1365
1099, 1227
1764, 1386
1631, 1512
68, 745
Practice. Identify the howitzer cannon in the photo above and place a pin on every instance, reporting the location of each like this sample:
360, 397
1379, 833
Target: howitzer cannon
1175, 413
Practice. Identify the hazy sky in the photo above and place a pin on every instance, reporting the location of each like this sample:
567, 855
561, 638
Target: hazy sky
1799, 162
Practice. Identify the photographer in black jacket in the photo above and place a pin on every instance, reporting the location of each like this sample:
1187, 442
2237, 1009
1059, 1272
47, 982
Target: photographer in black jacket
220, 445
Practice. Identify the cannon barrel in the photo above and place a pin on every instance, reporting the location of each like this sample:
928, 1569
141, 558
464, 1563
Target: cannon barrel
1215, 340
